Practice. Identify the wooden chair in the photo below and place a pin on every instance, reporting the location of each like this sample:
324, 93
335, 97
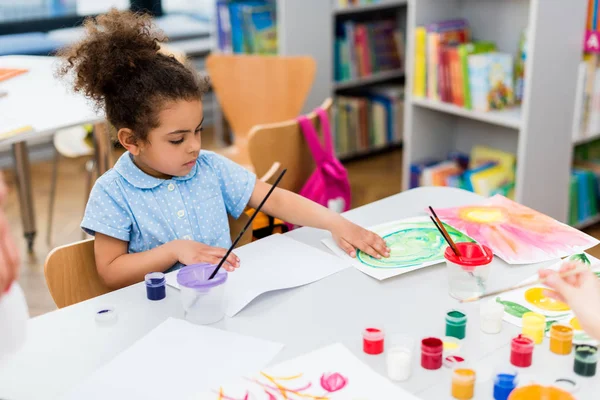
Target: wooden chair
254, 90
284, 143
71, 273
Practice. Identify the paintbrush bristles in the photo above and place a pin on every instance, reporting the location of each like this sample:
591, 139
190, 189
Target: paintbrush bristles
522, 285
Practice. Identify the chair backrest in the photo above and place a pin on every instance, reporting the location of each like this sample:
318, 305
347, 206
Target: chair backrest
255, 89
71, 273
284, 143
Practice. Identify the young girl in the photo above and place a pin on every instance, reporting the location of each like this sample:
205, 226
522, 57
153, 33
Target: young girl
165, 202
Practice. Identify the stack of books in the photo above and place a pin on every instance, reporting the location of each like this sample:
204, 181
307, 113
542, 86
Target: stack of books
370, 120
449, 67
485, 171
585, 179
246, 26
364, 49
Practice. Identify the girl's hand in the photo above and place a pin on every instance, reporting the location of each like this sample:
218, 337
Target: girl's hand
189, 252
580, 291
350, 237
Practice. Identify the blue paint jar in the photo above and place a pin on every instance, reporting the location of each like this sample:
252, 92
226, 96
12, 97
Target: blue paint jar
504, 383
156, 286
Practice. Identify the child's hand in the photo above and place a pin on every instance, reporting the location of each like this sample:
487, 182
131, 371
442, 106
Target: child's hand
350, 236
189, 252
580, 291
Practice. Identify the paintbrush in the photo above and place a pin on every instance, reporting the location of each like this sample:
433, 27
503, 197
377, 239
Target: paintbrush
574, 271
438, 223
442, 232
247, 224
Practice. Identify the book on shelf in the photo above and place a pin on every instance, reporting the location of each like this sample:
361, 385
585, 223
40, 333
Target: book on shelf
464, 52
451, 68
439, 35
246, 26
584, 193
370, 120
491, 81
485, 171
365, 49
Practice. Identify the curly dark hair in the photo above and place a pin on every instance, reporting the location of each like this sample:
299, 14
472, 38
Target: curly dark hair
118, 65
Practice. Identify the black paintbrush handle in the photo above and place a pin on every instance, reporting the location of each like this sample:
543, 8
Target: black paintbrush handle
247, 225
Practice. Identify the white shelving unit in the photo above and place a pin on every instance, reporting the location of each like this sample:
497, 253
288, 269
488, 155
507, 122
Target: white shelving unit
369, 7
539, 132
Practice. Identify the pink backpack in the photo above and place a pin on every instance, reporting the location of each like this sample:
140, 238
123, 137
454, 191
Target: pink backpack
328, 185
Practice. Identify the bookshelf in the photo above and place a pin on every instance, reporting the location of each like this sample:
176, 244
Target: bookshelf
367, 80
539, 133
381, 5
317, 39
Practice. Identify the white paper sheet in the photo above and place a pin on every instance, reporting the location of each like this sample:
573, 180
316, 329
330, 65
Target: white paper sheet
415, 244
273, 263
174, 361
332, 373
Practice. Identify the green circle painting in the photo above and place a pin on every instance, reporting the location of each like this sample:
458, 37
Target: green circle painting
412, 244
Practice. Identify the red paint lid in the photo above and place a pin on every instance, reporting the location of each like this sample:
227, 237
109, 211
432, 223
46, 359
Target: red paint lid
472, 255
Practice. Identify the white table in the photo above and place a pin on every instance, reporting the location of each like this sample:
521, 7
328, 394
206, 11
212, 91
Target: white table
66, 345
39, 100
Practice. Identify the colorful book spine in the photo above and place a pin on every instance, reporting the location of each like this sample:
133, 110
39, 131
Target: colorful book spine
438, 35
223, 26
464, 51
420, 70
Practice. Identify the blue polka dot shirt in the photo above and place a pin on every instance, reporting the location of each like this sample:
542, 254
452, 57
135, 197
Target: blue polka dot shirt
132, 206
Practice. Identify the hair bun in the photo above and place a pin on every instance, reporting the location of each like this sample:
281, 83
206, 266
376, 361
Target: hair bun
115, 47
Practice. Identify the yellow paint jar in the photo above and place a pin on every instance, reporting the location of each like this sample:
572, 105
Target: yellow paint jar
533, 326
561, 339
463, 384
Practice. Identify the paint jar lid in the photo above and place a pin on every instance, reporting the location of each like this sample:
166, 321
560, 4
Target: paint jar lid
561, 331
106, 316
456, 317
568, 384
196, 277
522, 343
452, 345
373, 334
533, 318
472, 255
432, 345
491, 309
155, 279
463, 374
453, 361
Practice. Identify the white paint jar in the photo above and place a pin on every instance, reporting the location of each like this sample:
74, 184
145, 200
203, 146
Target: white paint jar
399, 363
490, 316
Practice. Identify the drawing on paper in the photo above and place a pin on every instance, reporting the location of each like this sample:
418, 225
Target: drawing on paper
414, 243
534, 299
348, 378
515, 233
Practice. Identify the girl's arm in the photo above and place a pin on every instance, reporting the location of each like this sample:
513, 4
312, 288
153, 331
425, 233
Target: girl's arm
298, 210
118, 269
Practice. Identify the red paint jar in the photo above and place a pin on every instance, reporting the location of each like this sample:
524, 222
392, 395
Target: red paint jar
521, 351
431, 353
373, 341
